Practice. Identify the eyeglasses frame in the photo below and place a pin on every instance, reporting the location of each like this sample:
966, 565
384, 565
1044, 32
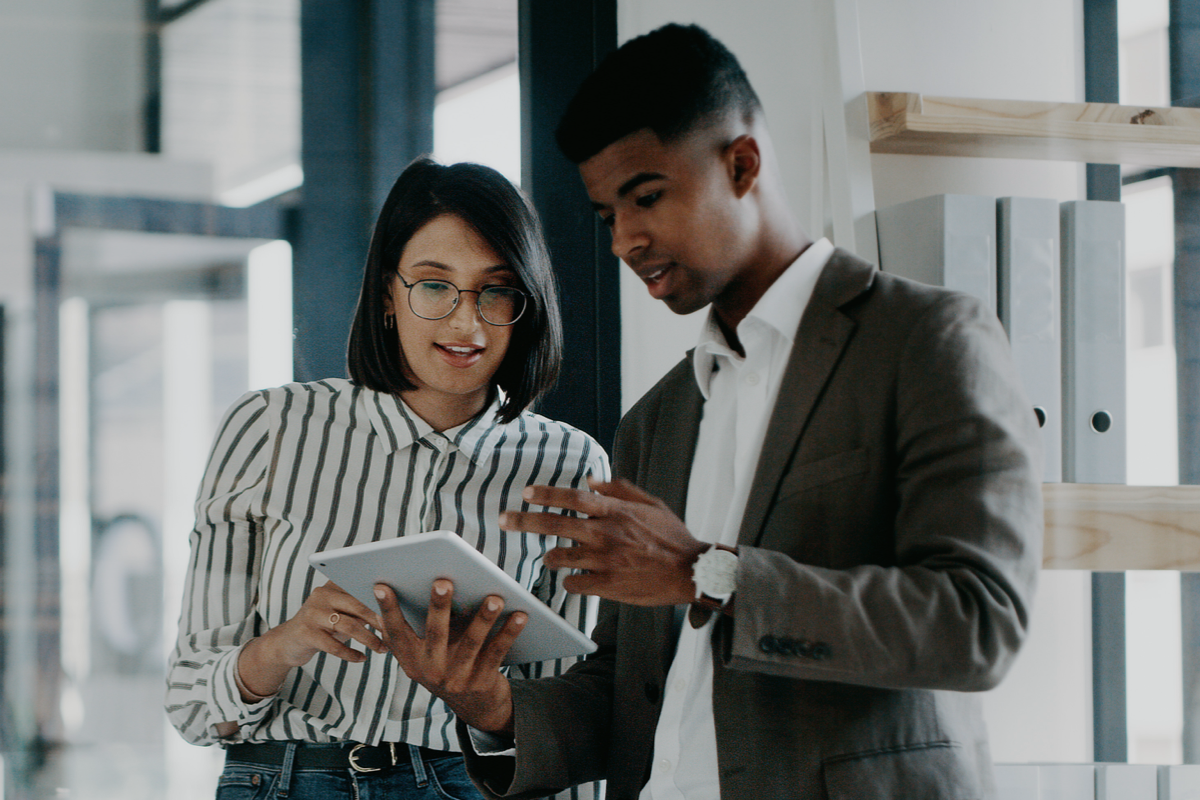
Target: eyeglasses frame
478, 296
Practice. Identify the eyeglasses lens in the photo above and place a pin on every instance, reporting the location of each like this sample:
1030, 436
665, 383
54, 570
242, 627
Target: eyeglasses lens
498, 305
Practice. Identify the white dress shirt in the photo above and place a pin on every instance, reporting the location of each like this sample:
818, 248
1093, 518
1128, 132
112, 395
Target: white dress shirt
739, 393
316, 466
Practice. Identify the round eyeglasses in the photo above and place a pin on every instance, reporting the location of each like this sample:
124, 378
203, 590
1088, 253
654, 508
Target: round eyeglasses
433, 298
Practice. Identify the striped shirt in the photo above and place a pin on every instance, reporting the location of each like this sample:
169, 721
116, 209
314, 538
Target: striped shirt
315, 466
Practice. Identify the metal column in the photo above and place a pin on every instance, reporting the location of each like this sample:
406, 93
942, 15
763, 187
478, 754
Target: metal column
561, 41
1184, 38
1110, 728
367, 77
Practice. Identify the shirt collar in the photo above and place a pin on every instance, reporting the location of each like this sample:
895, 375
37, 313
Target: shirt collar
777, 309
397, 426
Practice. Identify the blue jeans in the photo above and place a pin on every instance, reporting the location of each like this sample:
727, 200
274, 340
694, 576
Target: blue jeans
423, 779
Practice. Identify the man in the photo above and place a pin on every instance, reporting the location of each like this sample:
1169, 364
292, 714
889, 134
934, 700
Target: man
839, 485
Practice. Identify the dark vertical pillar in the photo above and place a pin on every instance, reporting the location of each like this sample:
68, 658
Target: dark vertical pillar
561, 41
1110, 728
367, 94
46, 581
1184, 38
401, 94
1101, 84
152, 59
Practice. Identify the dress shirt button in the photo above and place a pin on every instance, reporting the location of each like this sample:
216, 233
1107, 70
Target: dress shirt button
664, 765
681, 685
752, 379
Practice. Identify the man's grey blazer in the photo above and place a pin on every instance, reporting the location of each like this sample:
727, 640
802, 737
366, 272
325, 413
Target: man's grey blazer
888, 559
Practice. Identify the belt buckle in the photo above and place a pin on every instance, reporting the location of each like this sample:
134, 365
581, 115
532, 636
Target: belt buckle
353, 758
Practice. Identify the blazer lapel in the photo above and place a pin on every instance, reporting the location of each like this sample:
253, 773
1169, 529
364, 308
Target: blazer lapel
820, 340
668, 470
673, 444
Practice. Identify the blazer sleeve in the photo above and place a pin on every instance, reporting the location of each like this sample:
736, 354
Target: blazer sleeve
947, 605
561, 727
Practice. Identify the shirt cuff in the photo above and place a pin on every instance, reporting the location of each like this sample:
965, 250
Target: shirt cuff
491, 744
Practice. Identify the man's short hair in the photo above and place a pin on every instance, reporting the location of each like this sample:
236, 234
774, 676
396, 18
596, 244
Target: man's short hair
673, 80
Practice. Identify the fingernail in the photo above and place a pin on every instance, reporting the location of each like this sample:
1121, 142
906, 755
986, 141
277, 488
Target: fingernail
492, 605
527, 493
440, 588
503, 519
519, 619
380, 594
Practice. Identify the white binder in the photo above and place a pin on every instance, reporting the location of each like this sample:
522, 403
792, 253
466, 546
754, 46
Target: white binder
1179, 782
1093, 361
1067, 782
1028, 302
1017, 782
943, 240
1126, 782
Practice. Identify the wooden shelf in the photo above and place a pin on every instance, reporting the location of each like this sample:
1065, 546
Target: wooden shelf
1106, 527
1099, 133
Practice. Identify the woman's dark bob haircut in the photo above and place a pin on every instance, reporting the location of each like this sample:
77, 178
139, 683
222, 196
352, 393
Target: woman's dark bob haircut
485, 200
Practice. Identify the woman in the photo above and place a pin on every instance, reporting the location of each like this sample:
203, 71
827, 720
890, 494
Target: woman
456, 334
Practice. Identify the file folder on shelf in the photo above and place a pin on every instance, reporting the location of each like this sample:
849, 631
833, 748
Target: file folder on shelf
1017, 782
943, 240
1093, 361
1067, 782
1126, 782
1028, 263
1178, 782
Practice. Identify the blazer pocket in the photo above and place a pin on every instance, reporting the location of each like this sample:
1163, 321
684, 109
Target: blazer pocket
826, 470
932, 771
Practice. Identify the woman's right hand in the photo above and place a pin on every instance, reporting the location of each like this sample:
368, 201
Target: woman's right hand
329, 618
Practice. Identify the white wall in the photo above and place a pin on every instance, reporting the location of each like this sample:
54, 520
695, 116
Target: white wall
78, 69
1020, 49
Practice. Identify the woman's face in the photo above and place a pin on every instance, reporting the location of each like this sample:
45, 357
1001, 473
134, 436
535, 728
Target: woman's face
452, 360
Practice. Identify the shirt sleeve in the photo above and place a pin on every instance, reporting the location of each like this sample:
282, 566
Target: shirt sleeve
218, 611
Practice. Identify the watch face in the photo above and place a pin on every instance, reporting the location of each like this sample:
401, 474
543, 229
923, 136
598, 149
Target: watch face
715, 573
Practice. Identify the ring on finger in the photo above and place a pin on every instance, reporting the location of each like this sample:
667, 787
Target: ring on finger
334, 617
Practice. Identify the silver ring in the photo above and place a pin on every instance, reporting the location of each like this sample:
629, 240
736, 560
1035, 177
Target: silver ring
334, 617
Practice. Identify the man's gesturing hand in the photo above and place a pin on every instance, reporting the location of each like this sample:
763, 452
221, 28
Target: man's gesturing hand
457, 663
631, 547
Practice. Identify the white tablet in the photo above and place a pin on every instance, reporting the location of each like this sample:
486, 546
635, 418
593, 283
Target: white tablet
410, 565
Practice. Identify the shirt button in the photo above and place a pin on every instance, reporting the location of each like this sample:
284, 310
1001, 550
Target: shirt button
664, 765
752, 379
680, 685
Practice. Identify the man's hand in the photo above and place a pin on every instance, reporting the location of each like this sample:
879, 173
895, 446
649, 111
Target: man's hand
631, 547
462, 668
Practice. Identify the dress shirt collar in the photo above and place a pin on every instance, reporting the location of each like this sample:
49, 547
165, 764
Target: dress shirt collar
779, 309
398, 426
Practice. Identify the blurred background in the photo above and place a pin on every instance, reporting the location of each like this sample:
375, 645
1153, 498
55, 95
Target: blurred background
186, 191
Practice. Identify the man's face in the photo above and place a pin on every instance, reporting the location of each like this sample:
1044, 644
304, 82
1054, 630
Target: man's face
676, 215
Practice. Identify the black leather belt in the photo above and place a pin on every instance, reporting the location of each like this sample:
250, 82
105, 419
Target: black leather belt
341, 755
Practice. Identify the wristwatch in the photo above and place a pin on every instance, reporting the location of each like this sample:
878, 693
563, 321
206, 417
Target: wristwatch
715, 576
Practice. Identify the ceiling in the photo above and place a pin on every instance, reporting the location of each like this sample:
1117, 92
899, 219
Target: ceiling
474, 37
231, 77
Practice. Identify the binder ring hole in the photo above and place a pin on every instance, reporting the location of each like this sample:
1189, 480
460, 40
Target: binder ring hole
1040, 413
1101, 421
